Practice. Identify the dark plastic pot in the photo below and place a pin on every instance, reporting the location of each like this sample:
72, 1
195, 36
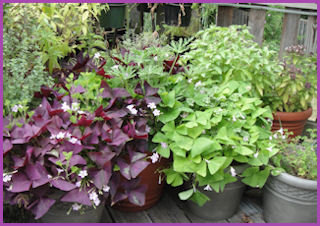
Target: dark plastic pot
172, 14
221, 205
292, 121
58, 214
150, 177
143, 7
114, 17
290, 199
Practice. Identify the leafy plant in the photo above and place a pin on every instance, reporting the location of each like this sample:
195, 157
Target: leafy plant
23, 70
208, 129
61, 153
295, 88
221, 54
298, 156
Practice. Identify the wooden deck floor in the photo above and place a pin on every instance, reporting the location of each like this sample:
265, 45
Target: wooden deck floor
171, 210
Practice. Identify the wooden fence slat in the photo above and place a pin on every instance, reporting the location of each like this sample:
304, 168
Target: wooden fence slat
225, 16
289, 31
256, 24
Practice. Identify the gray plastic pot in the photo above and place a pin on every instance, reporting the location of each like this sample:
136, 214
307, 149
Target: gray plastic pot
58, 214
221, 205
290, 199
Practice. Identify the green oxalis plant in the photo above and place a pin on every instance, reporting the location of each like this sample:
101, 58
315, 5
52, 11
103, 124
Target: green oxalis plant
296, 86
221, 54
208, 129
298, 157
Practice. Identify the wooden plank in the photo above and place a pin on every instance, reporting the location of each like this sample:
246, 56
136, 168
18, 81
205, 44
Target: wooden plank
289, 31
256, 24
312, 6
310, 33
225, 15
127, 217
167, 211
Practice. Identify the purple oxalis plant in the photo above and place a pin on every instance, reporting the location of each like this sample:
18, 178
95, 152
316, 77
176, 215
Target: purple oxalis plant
49, 158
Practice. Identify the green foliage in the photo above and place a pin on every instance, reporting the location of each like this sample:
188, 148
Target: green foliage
208, 128
273, 29
208, 14
296, 87
221, 54
298, 157
23, 70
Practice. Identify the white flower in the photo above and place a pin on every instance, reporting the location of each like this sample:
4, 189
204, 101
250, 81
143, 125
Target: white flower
15, 108
155, 157
75, 106
202, 91
164, 145
53, 137
96, 202
96, 56
78, 184
49, 176
76, 207
67, 135
190, 80
269, 149
7, 178
83, 173
155, 58
233, 171
115, 67
93, 196
147, 129
280, 131
75, 141
275, 136
242, 116
156, 112
60, 170
10, 188
132, 109
199, 83
245, 139
81, 112
65, 106
105, 188
283, 137
60, 135
152, 105
207, 188
270, 138
256, 155
234, 118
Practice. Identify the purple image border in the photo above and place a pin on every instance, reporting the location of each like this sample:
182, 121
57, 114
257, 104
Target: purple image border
141, 1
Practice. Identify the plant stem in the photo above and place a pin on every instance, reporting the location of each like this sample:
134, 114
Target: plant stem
174, 63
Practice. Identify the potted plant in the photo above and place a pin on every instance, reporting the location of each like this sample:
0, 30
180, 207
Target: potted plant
294, 91
114, 17
218, 138
178, 14
290, 194
64, 158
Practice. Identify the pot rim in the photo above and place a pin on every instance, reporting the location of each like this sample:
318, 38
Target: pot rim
294, 116
297, 181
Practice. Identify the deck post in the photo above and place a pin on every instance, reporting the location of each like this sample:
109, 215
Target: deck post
289, 31
256, 24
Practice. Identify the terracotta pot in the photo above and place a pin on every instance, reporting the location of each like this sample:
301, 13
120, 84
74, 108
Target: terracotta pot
292, 121
150, 177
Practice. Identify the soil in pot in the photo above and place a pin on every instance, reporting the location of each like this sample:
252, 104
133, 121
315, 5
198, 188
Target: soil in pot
58, 214
292, 121
172, 12
114, 17
290, 199
150, 177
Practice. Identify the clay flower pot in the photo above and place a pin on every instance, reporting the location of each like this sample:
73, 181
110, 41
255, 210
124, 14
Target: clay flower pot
292, 121
150, 177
